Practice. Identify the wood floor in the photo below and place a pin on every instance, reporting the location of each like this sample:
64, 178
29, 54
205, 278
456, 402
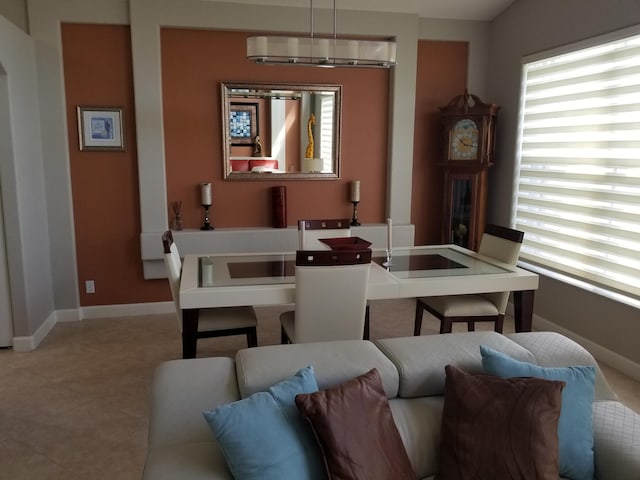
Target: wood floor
77, 407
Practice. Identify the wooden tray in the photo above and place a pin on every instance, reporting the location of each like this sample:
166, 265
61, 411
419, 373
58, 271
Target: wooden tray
346, 243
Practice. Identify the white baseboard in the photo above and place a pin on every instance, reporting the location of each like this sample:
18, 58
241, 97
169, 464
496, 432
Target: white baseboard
27, 344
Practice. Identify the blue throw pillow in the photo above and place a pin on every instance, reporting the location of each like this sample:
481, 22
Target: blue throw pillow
263, 437
575, 426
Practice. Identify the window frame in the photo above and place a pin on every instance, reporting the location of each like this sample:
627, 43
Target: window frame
552, 271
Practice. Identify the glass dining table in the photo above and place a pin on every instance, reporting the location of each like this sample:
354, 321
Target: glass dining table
269, 279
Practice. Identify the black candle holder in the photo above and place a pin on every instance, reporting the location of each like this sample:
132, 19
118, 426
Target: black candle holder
354, 219
207, 225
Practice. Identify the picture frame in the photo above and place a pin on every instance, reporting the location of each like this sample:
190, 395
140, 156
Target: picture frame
101, 128
243, 123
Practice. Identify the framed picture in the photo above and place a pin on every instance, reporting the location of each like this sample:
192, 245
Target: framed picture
100, 128
243, 123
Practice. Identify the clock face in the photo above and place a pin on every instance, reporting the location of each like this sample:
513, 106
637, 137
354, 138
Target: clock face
463, 140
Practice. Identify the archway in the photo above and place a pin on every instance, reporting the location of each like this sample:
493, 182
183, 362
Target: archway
6, 317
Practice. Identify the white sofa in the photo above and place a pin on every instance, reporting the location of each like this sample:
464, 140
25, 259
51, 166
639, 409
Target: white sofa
181, 445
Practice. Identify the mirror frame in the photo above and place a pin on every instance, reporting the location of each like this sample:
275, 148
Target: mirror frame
226, 99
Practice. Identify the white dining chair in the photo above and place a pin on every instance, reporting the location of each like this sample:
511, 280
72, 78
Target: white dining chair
311, 231
499, 243
212, 322
330, 296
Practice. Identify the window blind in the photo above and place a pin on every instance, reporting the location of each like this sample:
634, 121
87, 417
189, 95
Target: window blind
326, 131
578, 198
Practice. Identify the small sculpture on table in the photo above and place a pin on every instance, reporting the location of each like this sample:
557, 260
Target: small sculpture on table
309, 153
177, 215
257, 147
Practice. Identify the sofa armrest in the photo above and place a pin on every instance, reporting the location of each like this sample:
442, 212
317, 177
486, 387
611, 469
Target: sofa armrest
616, 437
181, 444
552, 349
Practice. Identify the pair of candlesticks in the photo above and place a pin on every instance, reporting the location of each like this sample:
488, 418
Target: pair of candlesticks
205, 193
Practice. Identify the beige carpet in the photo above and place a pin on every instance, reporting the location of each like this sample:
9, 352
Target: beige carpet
77, 407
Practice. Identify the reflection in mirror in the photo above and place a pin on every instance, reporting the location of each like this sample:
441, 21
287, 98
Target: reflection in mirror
281, 131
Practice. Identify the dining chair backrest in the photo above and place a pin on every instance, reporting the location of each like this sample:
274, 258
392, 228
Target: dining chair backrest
311, 231
503, 244
331, 294
173, 266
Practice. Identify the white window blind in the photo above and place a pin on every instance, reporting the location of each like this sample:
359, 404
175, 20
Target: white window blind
578, 196
326, 131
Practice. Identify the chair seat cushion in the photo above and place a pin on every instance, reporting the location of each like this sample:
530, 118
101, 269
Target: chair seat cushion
225, 318
461, 305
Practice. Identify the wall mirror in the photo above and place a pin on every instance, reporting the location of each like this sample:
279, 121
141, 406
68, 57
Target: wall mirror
281, 131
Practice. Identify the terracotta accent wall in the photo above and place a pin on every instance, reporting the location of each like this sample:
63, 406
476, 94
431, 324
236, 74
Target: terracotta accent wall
105, 184
194, 63
442, 74
98, 72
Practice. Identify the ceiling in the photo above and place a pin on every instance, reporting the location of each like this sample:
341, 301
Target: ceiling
451, 9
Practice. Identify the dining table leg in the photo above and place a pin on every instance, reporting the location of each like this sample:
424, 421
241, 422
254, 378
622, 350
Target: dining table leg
523, 310
189, 332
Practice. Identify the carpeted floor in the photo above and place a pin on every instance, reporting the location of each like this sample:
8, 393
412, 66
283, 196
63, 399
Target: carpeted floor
77, 407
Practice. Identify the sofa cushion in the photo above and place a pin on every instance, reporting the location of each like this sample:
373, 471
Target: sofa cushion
616, 432
495, 428
421, 360
264, 437
333, 363
355, 427
418, 421
575, 427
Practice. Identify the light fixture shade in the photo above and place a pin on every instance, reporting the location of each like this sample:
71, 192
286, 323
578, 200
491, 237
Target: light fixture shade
316, 51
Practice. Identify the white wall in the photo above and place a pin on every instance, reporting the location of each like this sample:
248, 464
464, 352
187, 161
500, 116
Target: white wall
16, 12
23, 186
477, 34
45, 17
528, 27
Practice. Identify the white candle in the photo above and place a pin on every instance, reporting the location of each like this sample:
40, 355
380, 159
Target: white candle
389, 234
205, 193
207, 272
301, 230
355, 191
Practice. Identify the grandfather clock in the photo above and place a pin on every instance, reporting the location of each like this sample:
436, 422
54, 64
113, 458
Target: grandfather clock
468, 138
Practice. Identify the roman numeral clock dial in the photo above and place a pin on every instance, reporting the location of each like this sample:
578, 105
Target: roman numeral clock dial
463, 144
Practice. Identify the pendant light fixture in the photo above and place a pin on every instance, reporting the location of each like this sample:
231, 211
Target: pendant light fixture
321, 51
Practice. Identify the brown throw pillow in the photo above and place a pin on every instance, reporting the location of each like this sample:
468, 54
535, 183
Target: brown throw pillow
494, 428
355, 427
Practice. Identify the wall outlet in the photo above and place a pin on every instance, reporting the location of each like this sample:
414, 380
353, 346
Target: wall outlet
90, 286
